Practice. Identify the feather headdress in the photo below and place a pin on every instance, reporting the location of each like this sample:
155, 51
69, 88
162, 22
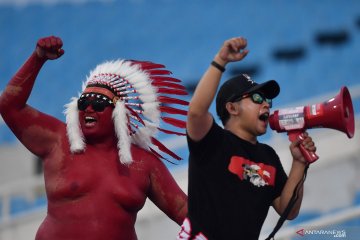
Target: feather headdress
140, 92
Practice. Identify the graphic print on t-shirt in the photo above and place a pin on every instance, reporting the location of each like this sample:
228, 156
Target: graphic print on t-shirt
258, 174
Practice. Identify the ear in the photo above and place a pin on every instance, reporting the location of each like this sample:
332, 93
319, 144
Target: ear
232, 108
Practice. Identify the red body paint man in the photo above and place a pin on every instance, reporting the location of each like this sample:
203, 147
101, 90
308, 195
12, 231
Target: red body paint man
91, 194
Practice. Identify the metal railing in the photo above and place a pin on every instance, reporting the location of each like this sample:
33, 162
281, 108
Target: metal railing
29, 190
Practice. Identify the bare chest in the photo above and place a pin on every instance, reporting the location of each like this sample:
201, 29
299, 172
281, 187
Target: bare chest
97, 176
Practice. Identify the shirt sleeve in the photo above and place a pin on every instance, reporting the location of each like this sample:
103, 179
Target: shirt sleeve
207, 146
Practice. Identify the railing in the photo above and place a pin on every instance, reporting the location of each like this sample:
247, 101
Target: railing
20, 198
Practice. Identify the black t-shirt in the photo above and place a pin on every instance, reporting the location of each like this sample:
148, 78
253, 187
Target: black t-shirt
232, 184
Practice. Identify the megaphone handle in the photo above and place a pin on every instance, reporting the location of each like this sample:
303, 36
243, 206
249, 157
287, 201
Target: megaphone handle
309, 156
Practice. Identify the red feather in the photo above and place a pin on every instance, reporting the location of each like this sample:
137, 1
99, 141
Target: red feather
164, 149
156, 153
171, 132
172, 91
159, 156
165, 78
136, 115
174, 122
170, 100
172, 110
145, 65
167, 84
159, 72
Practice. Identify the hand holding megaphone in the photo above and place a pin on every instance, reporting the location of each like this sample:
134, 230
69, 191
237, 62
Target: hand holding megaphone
309, 156
336, 113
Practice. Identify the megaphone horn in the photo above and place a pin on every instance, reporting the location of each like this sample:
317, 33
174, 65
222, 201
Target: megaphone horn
336, 113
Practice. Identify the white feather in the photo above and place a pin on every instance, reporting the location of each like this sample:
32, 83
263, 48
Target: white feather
148, 98
147, 91
74, 133
141, 140
141, 85
111, 67
121, 130
153, 127
143, 136
151, 111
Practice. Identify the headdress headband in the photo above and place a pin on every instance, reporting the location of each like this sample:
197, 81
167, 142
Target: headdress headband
140, 92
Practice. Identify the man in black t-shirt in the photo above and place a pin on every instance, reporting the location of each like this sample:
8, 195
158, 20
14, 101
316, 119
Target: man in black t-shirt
234, 179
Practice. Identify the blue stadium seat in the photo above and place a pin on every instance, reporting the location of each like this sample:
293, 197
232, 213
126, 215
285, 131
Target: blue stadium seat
40, 201
184, 37
18, 204
356, 200
6, 136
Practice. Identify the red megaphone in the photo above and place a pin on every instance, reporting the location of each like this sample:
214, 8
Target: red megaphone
336, 113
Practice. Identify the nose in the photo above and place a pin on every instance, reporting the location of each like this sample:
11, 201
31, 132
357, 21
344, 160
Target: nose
89, 108
266, 105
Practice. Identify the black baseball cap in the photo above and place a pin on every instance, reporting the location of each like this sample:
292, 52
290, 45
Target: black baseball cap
241, 85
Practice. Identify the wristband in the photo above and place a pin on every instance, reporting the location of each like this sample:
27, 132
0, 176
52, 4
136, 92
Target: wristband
218, 66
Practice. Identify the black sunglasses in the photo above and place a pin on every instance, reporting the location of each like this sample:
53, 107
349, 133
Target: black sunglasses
256, 98
97, 104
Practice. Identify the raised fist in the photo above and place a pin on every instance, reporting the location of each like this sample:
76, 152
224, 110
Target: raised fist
49, 48
233, 50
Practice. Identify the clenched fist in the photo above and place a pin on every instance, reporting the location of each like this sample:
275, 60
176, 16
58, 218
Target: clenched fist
49, 48
232, 50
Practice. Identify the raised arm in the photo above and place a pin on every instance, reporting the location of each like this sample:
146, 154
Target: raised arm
33, 128
199, 119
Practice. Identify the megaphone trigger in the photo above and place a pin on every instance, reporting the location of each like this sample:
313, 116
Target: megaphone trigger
309, 156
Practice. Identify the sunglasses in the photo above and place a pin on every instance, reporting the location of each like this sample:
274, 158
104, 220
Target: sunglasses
256, 98
97, 104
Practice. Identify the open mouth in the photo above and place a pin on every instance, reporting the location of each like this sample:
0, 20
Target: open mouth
264, 116
90, 121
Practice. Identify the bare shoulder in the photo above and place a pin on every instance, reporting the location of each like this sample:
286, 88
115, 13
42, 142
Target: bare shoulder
145, 157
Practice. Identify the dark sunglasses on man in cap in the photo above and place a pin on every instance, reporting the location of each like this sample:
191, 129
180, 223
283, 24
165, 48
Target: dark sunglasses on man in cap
256, 97
97, 104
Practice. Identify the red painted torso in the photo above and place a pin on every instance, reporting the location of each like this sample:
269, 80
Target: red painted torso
92, 194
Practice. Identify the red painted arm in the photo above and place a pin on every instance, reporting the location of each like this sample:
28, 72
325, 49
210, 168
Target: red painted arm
166, 194
33, 128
